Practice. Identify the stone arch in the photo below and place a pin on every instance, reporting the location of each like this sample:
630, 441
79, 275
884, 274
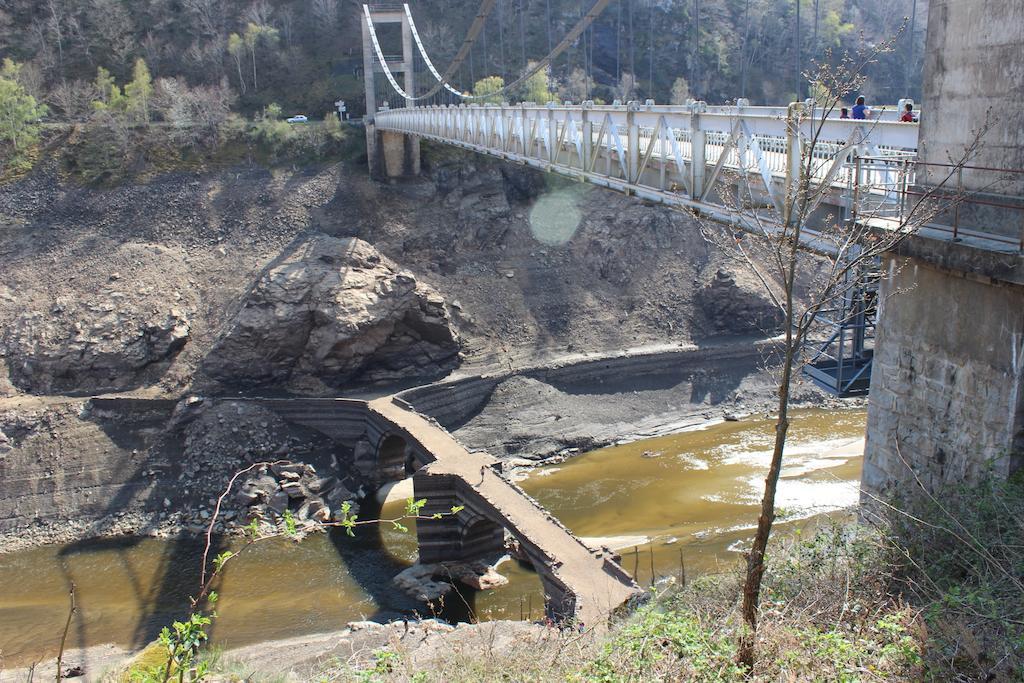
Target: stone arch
391, 452
480, 536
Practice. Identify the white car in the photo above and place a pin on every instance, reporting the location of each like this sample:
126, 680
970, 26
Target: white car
301, 118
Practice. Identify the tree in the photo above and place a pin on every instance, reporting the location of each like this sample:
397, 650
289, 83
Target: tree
626, 88
195, 114
74, 99
537, 88
139, 91
19, 112
256, 34
680, 91
839, 267
236, 48
488, 90
577, 86
108, 92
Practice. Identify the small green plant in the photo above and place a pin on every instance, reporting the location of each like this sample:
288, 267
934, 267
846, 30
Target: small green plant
181, 642
384, 662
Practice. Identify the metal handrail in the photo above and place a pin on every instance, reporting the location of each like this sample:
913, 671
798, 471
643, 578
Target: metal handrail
905, 186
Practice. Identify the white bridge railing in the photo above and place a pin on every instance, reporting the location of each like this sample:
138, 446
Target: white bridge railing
672, 154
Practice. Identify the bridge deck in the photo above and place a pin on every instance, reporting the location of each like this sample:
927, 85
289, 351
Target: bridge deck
598, 584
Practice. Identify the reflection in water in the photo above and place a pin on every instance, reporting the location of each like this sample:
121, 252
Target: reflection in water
689, 497
127, 591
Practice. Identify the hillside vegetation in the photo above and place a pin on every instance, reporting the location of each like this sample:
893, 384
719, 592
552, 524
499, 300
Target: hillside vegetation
304, 55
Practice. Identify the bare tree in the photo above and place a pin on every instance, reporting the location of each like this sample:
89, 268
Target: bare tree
809, 267
55, 22
74, 99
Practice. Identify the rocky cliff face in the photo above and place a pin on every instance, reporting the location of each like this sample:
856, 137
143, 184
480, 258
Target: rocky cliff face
92, 348
332, 312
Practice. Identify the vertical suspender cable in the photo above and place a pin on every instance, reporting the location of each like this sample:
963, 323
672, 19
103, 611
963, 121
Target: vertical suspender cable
522, 30
695, 73
814, 40
650, 54
632, 35
743, 49
487, 61
618, 44
590, 65
798, 62
547, 7
910, 57
501, 36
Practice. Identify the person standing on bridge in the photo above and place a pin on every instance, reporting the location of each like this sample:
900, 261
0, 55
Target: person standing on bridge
860, 110
844, 113
908, 114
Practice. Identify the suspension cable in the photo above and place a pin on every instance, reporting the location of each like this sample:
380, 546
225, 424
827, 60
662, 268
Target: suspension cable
430, 64
568, 40
444, 79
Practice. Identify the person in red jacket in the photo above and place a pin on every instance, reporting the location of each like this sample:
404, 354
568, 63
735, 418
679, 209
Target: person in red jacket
908, 114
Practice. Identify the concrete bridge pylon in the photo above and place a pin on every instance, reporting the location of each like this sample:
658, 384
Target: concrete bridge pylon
389, 154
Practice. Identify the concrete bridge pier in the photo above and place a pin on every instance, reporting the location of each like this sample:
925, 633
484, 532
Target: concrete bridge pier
390, 154
947, 388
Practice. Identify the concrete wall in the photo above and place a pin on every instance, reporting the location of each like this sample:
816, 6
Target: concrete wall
973, 65
947, 386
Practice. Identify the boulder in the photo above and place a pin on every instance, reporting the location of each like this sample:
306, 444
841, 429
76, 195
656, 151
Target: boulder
278, 502
417, 581
478, 575
335, 311
738, 306
294, 489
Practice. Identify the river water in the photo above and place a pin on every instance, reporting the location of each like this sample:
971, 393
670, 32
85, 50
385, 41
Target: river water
685, 500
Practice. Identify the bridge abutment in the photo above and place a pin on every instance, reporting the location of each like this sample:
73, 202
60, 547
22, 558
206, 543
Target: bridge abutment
947, 386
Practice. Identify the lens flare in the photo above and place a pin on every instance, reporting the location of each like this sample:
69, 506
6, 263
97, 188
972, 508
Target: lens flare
555, 218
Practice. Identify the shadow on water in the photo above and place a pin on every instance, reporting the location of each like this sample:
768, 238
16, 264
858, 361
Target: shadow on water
160, 602
371, 565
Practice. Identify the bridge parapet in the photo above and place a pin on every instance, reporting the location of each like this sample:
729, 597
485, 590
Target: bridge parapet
669, 154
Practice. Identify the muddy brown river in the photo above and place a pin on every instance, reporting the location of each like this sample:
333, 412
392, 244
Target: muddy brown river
688, 499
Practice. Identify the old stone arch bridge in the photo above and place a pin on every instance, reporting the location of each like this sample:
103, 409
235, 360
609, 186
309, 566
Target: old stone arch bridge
580, 583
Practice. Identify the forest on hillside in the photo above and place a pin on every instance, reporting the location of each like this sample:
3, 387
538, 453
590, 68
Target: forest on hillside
243, 55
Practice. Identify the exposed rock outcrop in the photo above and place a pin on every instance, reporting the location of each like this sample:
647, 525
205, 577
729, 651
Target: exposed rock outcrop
335, 311
91, 347
428, 582
737, 306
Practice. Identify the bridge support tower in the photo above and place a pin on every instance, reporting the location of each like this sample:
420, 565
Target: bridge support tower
389, 154
947, 391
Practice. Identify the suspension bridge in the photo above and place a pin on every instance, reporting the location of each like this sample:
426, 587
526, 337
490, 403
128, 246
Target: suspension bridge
682, 155
938, 344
